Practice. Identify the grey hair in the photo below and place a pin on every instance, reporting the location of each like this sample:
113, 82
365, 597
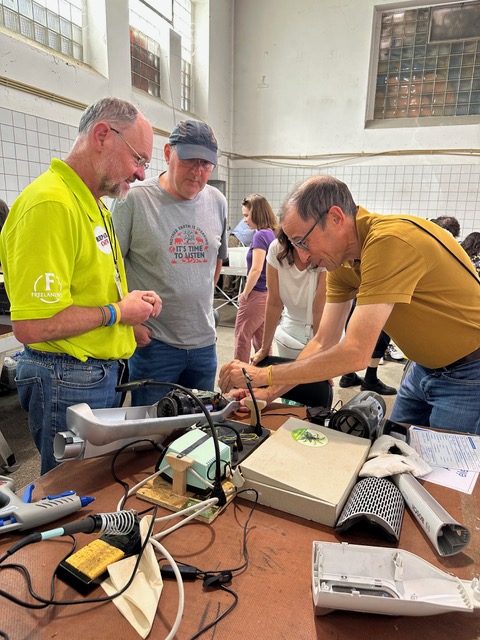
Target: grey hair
314, 197
111, 109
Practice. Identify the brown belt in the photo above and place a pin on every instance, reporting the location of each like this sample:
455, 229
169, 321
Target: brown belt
471, 357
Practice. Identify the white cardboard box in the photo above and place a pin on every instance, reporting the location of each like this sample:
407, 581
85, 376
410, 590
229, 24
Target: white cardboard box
306, 470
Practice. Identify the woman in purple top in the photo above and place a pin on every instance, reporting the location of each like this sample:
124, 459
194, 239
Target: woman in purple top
258, 214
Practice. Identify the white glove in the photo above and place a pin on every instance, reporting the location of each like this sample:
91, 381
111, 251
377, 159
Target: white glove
391, 445
139, 602
381, 463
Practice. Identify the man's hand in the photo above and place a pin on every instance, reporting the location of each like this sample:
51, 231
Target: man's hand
231, 376
142, 335
138, 306
240, 395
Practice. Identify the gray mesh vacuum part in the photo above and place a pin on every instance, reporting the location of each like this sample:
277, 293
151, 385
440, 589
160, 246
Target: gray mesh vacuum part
376, 501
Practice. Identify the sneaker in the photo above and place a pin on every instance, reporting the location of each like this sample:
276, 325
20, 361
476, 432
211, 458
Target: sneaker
393, 353
350, 380
379, 387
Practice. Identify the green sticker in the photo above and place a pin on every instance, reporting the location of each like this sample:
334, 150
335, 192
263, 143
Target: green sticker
310, 437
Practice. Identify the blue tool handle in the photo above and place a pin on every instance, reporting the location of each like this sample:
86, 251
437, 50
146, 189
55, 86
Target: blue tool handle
20, 516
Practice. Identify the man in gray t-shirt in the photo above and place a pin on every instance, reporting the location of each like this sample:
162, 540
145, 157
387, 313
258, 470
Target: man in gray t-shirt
172, 231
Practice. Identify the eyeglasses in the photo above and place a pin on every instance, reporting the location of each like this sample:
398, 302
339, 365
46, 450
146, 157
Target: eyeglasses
203, 165
139, 160
301, 244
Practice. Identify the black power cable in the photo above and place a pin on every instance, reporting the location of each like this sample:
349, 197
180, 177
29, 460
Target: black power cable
217, 491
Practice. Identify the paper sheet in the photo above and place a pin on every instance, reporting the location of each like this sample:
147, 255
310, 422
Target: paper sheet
447, 450
457, 479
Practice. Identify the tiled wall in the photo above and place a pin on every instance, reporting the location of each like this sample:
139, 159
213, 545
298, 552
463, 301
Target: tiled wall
428, 191
27, 143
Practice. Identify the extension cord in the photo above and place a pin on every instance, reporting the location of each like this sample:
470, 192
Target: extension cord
85, 569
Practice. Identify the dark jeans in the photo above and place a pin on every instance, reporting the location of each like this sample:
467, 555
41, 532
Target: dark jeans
310, 394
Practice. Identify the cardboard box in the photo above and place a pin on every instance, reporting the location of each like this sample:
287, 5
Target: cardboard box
306, 470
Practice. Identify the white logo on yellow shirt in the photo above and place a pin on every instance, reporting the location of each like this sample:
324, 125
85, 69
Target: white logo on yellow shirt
102, 239
48, 288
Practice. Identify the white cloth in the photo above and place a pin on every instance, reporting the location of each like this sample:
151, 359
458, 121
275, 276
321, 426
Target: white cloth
294, 287
138, 604
383, 459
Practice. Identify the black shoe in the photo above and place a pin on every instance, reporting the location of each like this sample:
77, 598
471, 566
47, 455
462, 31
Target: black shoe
350, 380
379, 387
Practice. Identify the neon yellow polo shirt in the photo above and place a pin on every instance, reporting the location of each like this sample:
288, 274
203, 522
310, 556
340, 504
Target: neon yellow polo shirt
56, 251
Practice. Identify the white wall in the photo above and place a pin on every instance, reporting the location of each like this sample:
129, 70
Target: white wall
301, 81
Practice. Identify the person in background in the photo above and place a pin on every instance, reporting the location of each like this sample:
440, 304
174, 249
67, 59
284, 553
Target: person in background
295, 301
371, 382
172, 231
259, 216
65, 277
449, 223
3, 213
471, 244
410, 279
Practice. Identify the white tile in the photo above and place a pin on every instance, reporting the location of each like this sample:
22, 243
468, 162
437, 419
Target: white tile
52, 128
64, 130
34, 169
8, 149
21, 151
11, 182
44, 156
6, 132
20, 135
42, 125
33, 154
22, 168
10, 166
2, 184
5, 116
19, 119
23, 181
54, 144
32, 138
30, 123
65, 145
11, 196
43, 141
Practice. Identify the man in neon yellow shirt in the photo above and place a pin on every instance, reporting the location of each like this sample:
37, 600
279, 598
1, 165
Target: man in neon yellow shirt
65, 277
409, 276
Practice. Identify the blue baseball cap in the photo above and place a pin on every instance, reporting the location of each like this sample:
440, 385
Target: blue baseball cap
194, 140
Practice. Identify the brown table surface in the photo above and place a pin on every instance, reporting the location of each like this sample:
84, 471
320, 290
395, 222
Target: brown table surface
275, 600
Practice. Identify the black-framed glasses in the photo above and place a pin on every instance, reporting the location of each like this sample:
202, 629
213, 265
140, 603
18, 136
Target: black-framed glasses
139, 159
301, 244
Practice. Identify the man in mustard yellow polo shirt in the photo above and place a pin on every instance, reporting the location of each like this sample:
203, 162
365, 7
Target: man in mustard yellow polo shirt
65, 277
411, 278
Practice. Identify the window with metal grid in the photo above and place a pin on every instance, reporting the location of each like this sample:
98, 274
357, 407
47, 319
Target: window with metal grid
145, 60
56, 24
148, 19
428, 62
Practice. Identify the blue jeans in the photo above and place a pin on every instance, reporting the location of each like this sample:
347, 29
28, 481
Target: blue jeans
440, 398
192, 368
48, 383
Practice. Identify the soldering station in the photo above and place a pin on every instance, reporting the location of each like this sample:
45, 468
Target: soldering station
206, 459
